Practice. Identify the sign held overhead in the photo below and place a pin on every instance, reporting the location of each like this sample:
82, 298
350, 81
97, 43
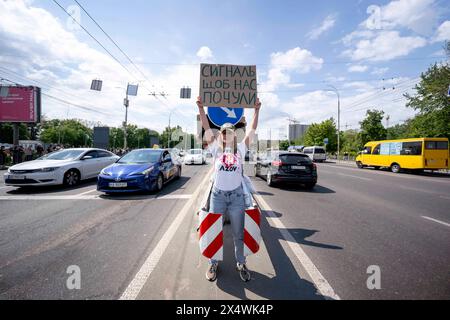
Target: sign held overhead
230, 86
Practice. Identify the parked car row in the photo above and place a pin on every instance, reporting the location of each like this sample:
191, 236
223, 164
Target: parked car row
142, 169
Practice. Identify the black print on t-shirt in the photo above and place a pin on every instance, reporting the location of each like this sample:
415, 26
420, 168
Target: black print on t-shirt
228, 169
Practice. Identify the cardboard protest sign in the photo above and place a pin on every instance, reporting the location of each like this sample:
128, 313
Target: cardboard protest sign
225, 85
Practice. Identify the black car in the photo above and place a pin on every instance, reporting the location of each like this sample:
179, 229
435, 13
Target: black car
287, 167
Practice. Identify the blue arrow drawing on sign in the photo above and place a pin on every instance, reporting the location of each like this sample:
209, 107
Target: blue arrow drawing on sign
221, 115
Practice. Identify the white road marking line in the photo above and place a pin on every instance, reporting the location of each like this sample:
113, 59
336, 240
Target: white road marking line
141, 277
444, 197
435, 220
84, 193
352, 176
175, 196
320, 282
89, 197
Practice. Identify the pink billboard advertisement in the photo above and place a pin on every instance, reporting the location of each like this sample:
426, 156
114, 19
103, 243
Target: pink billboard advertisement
20, 104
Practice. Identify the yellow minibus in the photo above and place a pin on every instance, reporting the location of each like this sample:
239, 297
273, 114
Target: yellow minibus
411, 154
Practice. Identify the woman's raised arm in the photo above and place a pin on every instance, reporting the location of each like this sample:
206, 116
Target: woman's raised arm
209, 134
251, 133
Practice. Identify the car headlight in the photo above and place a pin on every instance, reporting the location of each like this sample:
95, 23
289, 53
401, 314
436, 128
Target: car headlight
105, 173
49, 169
147, 171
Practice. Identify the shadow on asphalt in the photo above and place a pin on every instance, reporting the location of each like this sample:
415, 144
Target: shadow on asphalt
284, 283
168, 189
317, 189
300, 236
51, 189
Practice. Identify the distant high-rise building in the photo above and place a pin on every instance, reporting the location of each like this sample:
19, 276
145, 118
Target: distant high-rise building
297, 131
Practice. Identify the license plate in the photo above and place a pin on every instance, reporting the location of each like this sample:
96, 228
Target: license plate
118, 184
17, 177
298, 167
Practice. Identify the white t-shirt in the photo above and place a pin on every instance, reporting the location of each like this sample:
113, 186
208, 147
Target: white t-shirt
227, 166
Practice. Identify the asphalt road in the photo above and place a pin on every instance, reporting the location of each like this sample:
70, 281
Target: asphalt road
316, 244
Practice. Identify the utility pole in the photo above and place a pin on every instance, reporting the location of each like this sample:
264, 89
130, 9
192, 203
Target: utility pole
339, 119
170, 132
126, 103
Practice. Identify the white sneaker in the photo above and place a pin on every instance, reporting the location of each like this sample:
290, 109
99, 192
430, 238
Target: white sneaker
243, 272
211, 272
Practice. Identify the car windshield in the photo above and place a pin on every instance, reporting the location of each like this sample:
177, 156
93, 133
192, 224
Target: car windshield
141, 156
195, 151
63, 155
319, 150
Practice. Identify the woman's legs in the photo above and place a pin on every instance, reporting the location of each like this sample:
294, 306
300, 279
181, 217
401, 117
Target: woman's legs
236, 212
217, 204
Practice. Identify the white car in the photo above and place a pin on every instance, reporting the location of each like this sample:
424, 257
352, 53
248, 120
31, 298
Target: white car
194, 156
67, 167
316, 154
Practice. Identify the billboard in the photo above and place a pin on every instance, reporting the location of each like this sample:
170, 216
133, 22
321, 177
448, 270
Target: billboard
20, 104
101, 137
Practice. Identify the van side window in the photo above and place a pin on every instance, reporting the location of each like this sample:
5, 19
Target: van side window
376, 150
367, 150
411, 148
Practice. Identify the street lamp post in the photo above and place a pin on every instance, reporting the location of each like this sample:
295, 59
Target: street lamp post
170, 132
335, 90
126, 104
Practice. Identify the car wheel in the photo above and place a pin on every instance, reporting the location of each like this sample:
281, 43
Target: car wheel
159, 182
71, 178
269, 180
360, 165
395, 168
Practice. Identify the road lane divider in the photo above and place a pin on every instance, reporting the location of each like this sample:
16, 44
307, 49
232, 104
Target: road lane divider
92, 197
318, 279
87, 192
437, 221
355, 177
137, 283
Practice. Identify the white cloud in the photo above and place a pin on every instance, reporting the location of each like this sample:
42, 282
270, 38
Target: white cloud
384, 46
357, 68
443, 32
282, 64
205, 54
419, 16
327, 24
36, 45
379, 71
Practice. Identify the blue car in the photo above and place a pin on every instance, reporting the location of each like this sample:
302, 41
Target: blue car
139, 170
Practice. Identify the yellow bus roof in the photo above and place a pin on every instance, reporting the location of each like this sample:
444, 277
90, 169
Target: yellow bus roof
371, 143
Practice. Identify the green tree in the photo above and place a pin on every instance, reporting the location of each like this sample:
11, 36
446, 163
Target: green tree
431, 102
317, 133
284, 145
399, 131
350, 142
6, 132
70, 132
372, 128
176, 136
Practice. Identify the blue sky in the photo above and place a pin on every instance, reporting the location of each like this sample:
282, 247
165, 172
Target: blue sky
299, 47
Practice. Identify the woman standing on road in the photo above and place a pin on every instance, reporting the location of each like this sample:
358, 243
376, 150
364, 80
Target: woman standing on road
227, 196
